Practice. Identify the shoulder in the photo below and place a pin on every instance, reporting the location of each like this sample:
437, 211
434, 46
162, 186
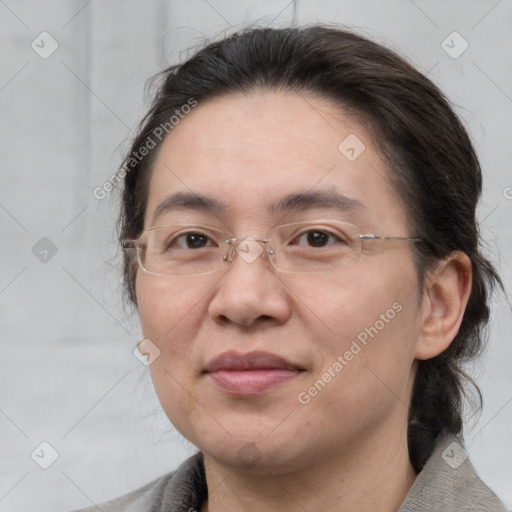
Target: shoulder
139, 500
186, 485
448, 482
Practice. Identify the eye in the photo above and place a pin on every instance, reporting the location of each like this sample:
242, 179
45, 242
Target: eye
318, 238
190, 240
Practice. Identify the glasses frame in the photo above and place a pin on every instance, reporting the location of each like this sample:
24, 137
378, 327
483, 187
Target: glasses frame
233, 243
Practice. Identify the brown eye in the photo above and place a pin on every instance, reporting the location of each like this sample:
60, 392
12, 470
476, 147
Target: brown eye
192, 240
316, 238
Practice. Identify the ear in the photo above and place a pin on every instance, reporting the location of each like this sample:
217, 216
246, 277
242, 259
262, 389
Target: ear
446, 294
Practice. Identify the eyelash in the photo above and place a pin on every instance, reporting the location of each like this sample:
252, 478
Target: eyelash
330, 234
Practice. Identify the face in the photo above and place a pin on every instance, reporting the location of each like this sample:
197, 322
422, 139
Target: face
347, 336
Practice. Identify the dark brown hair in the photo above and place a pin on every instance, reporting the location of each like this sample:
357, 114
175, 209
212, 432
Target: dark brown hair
429, 155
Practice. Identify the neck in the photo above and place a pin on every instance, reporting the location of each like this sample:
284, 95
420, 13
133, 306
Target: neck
373, 475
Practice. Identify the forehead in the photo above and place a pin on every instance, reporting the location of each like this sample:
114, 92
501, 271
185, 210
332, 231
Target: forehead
250, 151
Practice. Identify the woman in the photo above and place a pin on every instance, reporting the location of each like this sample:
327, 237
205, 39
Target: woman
301, 246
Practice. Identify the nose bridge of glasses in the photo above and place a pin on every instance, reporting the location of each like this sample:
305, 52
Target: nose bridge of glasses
248, 248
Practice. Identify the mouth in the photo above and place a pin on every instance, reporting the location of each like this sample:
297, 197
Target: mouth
250, 374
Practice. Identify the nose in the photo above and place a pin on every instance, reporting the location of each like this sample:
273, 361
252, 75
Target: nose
250, 292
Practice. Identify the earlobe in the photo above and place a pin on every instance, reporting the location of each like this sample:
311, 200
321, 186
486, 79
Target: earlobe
446, 295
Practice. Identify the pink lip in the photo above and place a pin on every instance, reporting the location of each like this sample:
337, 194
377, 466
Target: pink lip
250, 374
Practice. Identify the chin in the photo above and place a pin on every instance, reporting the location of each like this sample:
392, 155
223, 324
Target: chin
258, 451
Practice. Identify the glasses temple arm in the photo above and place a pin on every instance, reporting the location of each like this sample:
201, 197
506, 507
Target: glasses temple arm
129, 244
377, 237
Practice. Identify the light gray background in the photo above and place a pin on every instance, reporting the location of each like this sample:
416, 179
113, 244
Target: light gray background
68, 375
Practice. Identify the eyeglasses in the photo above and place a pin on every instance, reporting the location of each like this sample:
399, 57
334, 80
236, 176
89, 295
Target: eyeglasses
300, 247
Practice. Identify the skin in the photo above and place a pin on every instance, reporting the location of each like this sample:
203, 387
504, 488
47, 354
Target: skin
351, 437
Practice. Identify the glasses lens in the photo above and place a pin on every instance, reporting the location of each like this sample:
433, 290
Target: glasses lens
319, 246
180, 250
315, 246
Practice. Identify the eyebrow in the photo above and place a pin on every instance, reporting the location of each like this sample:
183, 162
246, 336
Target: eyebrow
294, 202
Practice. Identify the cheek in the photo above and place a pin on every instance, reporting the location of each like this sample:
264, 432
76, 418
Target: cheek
170, 314
167, 306
366, 357
346, 307
369, 320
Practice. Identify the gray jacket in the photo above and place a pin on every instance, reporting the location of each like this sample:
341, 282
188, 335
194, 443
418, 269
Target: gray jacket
447, 483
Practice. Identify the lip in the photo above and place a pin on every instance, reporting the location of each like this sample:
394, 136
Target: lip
250, 374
